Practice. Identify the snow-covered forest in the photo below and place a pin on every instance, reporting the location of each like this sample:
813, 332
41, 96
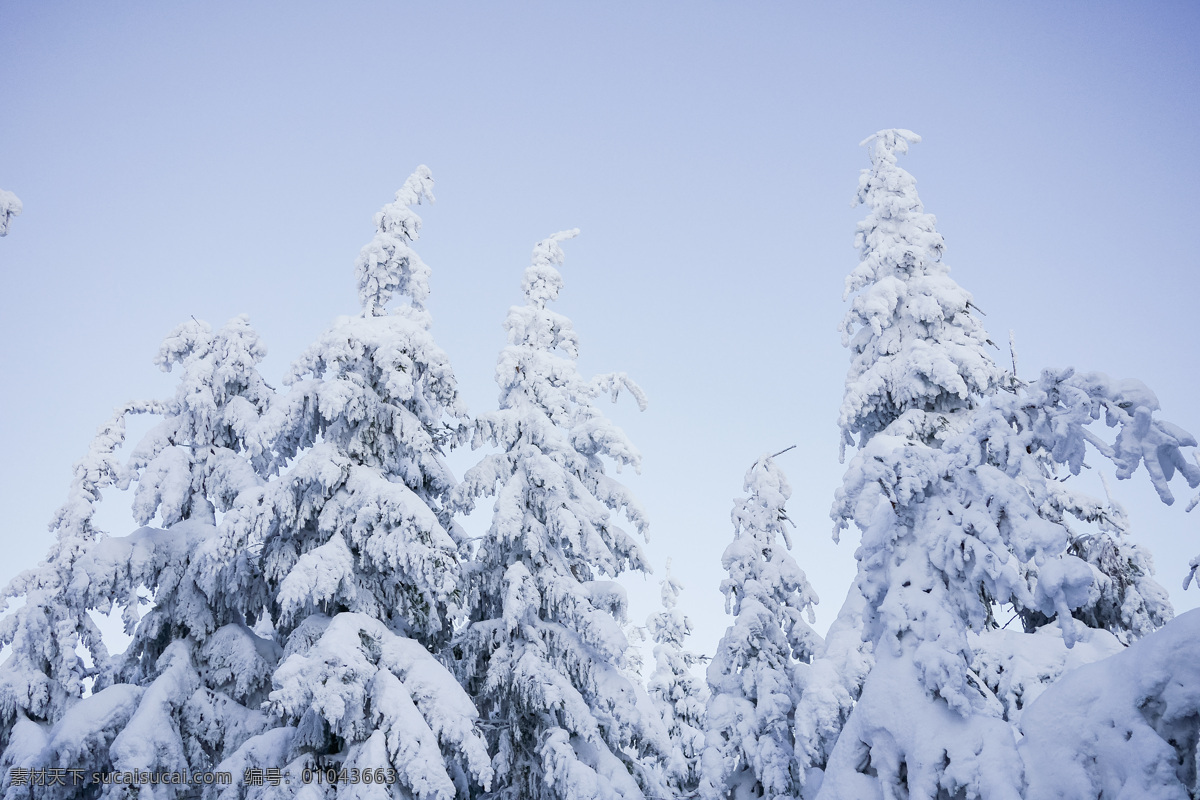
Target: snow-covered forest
309, 616
333, 509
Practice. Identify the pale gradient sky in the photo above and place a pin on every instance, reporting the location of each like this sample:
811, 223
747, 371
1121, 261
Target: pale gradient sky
211, 159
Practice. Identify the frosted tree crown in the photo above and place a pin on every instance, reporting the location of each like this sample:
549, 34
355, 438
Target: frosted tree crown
542, 281
914, 343
387, 265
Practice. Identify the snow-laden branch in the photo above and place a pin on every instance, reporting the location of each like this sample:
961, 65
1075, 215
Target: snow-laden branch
10, 206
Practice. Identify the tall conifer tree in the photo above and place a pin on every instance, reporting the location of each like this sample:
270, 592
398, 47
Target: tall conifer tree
955, 491
750, 750
297, 627
191, 681
356, 569
543, 650
679, 695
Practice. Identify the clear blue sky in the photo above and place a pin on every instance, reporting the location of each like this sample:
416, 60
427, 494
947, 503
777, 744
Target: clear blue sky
181, 159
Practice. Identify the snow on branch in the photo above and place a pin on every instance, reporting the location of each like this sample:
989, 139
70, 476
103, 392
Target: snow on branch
614, 382
10, 206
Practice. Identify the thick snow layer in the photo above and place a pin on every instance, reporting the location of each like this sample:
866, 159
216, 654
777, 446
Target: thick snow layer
830, 686
1017, 666
364, 681
1125, 727
899, 739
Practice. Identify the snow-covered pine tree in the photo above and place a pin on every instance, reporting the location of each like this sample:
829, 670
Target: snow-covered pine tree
954, 489
750, 749
191, 681
543, 647
355, 565
10, 206
678, 694
917, 357
914, 343
44, 675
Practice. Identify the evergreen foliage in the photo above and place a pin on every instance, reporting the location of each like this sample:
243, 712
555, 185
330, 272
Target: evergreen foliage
956, 488
300, 596
294, 630
192, 679
678, 694
353, 565
750, 751
543, 649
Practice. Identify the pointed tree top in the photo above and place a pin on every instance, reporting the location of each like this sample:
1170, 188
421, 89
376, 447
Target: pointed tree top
914, 342
541, 281
886, 143
387, 265
398, 216
671, 588
762, 511
765, 478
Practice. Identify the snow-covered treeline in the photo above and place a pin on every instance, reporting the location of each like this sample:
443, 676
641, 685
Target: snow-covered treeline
308, 616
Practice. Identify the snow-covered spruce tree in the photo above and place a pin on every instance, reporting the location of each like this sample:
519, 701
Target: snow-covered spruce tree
543, 648
354, 567
955, 489
917, 356
750, 750
191, 681
1094, 586
44, 674
914, 344
678, 694
10, 206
